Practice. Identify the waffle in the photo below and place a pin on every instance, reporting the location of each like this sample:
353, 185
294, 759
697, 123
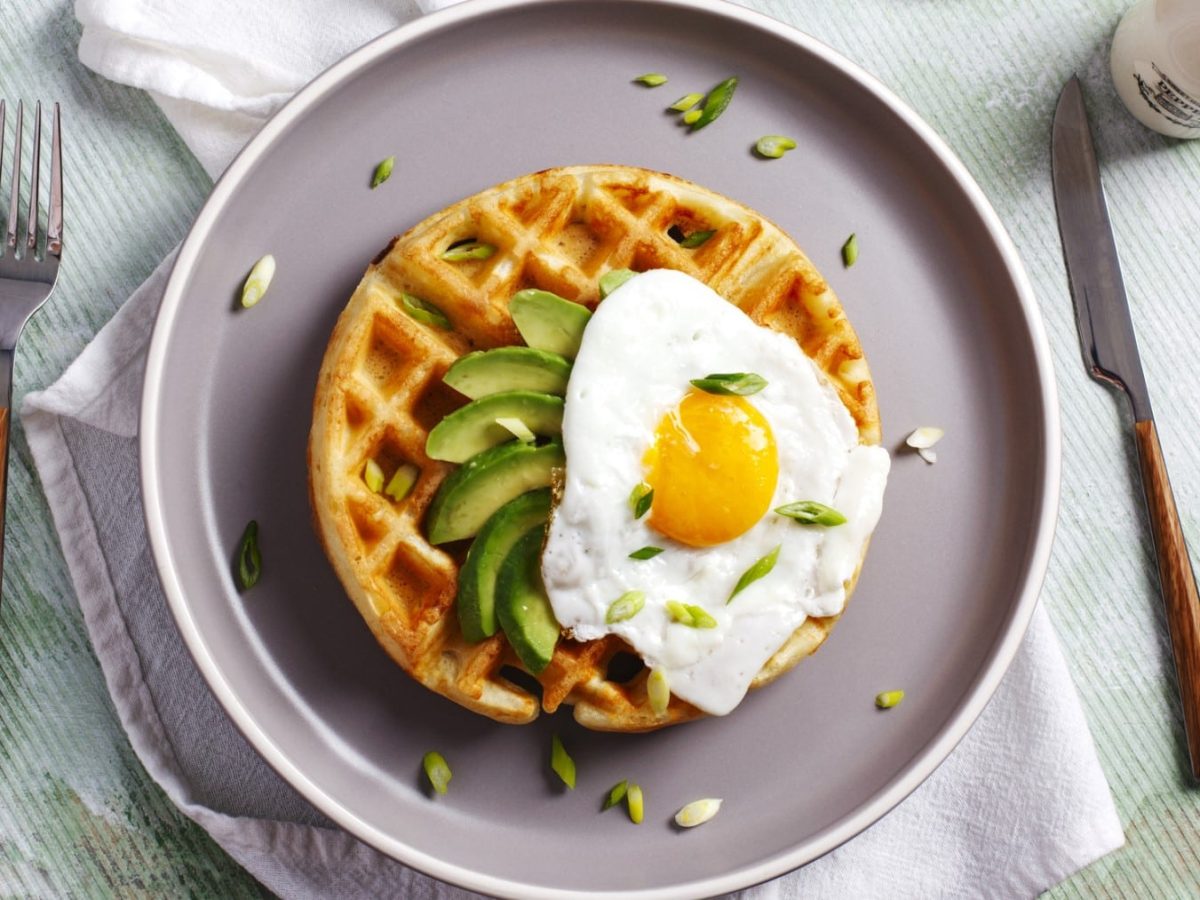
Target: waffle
380, 392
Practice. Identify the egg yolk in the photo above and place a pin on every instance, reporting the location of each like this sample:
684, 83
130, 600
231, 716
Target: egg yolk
713, 467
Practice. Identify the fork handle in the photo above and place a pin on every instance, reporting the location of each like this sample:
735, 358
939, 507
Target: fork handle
6, 374
1176, 580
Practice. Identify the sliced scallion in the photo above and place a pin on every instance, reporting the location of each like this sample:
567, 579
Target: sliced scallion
425, 312
635, 800
686, 102
810, 512
640, 499
465, 250
646, 553
695, 239
402, 481
373, 476
625, 607
517, 429
690, 615
383, 172
759, 570
773, 146
691, 117
697, 812
651, 79
924, 437
437, 771
561, 762
716, 102
850, 251
888, 699
258, 281
740, 384
249, 558
658, 690
616, 795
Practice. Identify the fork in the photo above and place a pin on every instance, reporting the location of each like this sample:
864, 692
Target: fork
28, 270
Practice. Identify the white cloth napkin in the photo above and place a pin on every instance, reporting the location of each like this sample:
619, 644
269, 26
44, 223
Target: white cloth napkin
1019, 805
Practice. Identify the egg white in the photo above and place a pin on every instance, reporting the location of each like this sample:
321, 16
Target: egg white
641, 348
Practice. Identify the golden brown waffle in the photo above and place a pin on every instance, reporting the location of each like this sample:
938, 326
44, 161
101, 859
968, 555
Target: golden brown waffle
380, 391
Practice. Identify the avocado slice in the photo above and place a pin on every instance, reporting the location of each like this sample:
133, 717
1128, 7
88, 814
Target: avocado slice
487, 481
477, 579
548, 321
522, 606
473, 428
508, 369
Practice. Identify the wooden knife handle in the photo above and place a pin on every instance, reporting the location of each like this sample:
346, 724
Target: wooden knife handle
1176, 580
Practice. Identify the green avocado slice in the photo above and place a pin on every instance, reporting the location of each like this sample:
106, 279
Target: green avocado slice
548, 321
522, 606
473, 429
508, 369
477, 579
485, 482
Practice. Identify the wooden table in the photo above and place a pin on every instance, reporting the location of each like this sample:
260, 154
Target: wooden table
80, 817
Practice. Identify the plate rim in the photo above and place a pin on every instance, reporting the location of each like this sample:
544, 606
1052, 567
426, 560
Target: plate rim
920, 767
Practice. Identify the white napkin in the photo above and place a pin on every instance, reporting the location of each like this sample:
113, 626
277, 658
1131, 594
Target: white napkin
1019, 805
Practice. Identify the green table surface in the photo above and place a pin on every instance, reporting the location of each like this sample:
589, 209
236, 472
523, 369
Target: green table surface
78, 814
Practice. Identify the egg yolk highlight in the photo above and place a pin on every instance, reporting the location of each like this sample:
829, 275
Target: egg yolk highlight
713, 467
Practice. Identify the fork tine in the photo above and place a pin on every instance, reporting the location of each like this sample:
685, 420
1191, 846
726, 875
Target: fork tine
54, 228
34, 179
14, 206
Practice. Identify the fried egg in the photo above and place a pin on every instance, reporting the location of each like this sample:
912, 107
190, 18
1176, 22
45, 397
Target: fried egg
718, 466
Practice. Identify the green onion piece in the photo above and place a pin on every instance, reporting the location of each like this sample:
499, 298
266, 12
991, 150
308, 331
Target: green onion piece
616, 795
610, 281
249, 558
678, 612
850, 251
468, 250
636, 802
625, 607
561, 762
659, 691
383, 172
646, 553
741, 384
888, 699
437, 771
695, 239
402, 482
755, 572
716, 101
426, 312
773, 146
517, 429
651, 79
691, 117
810, 512
697, 812
373, 476
258, 281
690, 615
640, 499
686, 102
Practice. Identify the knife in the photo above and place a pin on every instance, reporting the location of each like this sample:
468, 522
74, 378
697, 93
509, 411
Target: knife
1111, 356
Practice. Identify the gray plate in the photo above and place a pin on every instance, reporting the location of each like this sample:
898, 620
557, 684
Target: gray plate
482, 93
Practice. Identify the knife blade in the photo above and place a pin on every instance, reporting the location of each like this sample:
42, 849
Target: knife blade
1110, 354
1101, 309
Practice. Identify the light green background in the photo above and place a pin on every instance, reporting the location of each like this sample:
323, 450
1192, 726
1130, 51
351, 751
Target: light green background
78, 815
